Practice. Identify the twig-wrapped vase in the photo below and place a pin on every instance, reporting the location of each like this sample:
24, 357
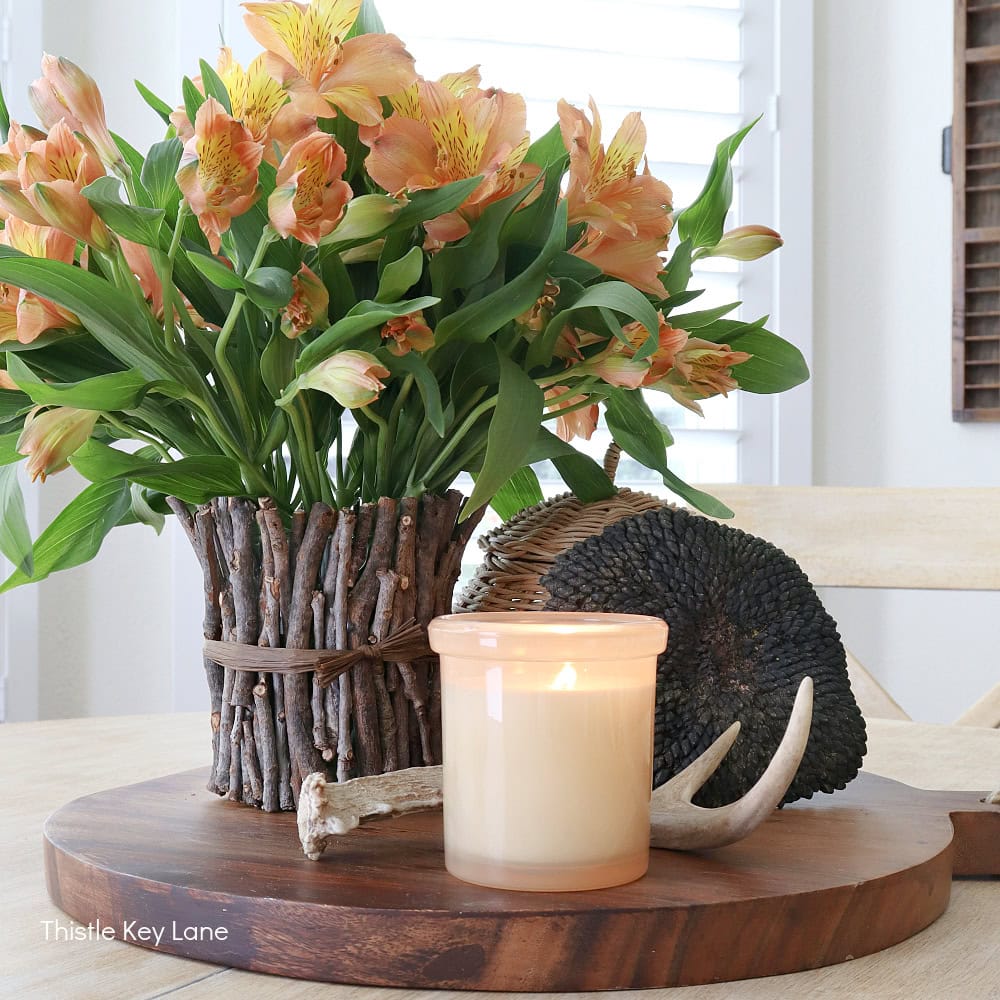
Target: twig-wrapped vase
330, 580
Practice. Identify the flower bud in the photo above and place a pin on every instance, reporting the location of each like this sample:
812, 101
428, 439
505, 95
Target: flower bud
746, 243
364, 218
351, 377
49, 438
308, 306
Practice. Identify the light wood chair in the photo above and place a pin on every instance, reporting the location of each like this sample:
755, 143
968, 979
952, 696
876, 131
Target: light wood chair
916, 539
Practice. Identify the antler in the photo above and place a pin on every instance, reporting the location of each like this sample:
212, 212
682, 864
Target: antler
678, 824
330, 809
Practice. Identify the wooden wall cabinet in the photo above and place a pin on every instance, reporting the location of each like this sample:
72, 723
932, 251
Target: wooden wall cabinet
976, 180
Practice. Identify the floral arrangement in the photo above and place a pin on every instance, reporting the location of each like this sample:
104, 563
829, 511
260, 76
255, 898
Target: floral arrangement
324, 233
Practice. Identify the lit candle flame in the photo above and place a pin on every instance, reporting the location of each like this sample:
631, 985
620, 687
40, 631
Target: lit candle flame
565, 680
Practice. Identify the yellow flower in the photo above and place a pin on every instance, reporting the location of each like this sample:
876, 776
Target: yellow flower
351, 377
218, 170
308, 306
65, 93
310, 195
49, 438
449, 131
323, 73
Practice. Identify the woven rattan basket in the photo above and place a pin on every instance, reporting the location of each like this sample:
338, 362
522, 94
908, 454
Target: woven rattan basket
521, 551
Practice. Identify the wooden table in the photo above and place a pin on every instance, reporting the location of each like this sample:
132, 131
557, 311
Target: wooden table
45, 764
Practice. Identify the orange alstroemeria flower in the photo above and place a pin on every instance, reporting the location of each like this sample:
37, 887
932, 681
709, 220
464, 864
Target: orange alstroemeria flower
258, 101
701, 369
65, 93
310, 194
25, 316
218, 170
605, 188
309, 304
6, 382
408, 333
50, 176
49, 438
324, 74
628, 214
449, 131
670, 342
580, 423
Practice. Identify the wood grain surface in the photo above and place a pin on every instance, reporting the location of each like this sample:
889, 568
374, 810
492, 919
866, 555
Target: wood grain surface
821, 882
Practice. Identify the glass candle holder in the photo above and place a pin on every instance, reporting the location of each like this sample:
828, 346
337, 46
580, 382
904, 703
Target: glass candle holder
547, 722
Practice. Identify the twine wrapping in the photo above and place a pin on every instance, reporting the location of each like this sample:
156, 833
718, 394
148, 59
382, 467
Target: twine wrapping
407, 644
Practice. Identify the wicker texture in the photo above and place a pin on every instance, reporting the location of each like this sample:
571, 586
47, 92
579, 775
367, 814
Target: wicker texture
521, 551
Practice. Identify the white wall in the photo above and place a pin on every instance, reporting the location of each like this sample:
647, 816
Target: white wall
104, 642
882, 367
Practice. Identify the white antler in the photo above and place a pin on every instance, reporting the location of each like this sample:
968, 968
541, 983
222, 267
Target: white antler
678, 824
330, 809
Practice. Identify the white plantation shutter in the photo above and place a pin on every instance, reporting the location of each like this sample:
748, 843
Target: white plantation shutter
696, 71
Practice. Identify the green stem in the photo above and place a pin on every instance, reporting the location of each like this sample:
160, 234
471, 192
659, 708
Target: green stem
381, 447
305, 458
136, 434
221, 361
456, 438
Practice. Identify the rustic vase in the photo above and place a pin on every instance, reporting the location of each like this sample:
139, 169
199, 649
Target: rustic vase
324, 579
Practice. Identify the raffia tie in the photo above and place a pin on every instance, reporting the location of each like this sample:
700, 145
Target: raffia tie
407, 644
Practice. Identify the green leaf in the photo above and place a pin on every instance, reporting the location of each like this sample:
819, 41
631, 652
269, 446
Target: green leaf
8, 448
776, 364
636, 429
698, 499
703, 221
161, 107
566, 265
430, 393
216, 272
76, 534
13, 404
513, 428
133, 222
473, 258
364, 316
547, 149
617, 296
115, 391
158, 174
99, 462
424, 205
269, 287
477, 321
143, 512
195, 479
368, 21
15, 538
111, 316
400, 276
579, 472
4, 117
214, 87
522, 490
697, 320
193, 98
678, 273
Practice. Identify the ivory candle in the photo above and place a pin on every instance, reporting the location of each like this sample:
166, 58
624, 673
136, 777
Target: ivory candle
547, 721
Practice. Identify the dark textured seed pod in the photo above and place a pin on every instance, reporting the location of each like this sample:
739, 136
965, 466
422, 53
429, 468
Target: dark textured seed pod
745, 627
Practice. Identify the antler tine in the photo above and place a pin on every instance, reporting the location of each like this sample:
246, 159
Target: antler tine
678, 824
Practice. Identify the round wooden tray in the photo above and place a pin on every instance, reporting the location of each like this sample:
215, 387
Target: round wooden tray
172, 868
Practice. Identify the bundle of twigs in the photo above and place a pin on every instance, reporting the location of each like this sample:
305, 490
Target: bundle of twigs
332, 579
